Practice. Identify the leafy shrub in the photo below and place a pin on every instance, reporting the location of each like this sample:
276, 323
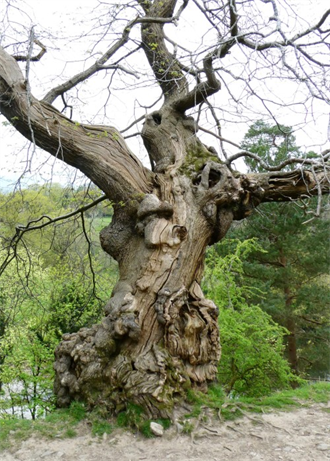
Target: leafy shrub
252, 362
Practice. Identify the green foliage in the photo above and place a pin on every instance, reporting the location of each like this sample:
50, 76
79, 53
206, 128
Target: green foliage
28, 374
73, 305
273, 144
48, 290
293, 275
252, 347
252, 360
293, 269
52, 305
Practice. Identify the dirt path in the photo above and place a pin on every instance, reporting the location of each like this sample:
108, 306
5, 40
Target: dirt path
301, 435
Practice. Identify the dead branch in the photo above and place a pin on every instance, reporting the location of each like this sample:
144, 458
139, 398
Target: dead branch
36, 58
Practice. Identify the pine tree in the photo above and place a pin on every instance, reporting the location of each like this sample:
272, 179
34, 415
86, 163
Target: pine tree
293, 273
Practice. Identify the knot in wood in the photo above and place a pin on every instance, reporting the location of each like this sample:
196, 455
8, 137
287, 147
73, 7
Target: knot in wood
152, 205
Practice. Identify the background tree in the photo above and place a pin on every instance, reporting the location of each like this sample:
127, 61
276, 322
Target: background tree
252, 361
292, 271
48, 291
159, 333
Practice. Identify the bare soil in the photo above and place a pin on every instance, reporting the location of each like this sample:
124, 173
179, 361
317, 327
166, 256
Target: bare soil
300, 435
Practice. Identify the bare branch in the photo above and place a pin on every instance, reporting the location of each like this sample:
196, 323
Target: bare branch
100, 63
96, 67
290, 161
89, 253
31, 226
32, 58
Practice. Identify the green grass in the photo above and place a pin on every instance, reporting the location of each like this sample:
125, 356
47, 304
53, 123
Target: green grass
17, 429
318, 393
134, 418
60, 423
231, 408
63, 423
100, 427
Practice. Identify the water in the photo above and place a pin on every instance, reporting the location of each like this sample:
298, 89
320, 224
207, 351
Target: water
13, 401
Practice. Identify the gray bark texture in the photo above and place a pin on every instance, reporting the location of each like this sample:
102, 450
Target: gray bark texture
159, 334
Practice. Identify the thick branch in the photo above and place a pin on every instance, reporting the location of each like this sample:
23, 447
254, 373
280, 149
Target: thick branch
290, 161
202, 90
164, 66
99, 152
283, 186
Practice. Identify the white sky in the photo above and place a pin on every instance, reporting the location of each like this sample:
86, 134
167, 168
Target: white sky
54, 21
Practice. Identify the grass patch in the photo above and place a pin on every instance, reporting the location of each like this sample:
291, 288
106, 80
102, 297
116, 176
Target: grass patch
302, 396
60, 423
134, 418
70, 433
63, 423
101, 427
16, 429
231, 408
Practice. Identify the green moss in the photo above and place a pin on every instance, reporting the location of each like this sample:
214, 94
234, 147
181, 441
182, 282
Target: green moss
100, 427
197, 156
132, 417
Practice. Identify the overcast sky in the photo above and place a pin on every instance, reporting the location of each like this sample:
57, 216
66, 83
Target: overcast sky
54, 22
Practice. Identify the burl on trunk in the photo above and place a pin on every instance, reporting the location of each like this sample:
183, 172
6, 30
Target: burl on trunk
160, 335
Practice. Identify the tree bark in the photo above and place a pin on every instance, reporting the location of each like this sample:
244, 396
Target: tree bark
290, 322
292, 344
159, 334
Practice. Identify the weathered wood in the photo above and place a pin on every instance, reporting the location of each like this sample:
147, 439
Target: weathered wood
159, 334
99, 152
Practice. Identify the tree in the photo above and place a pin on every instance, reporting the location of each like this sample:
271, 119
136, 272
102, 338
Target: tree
292, 273
160, 334
293, 277
34, 316
252, 361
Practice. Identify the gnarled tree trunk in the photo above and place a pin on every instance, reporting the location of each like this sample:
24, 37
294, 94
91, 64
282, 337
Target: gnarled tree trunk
160, 334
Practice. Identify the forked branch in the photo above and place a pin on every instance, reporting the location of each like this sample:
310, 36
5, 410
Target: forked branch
44, 221
43, 50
